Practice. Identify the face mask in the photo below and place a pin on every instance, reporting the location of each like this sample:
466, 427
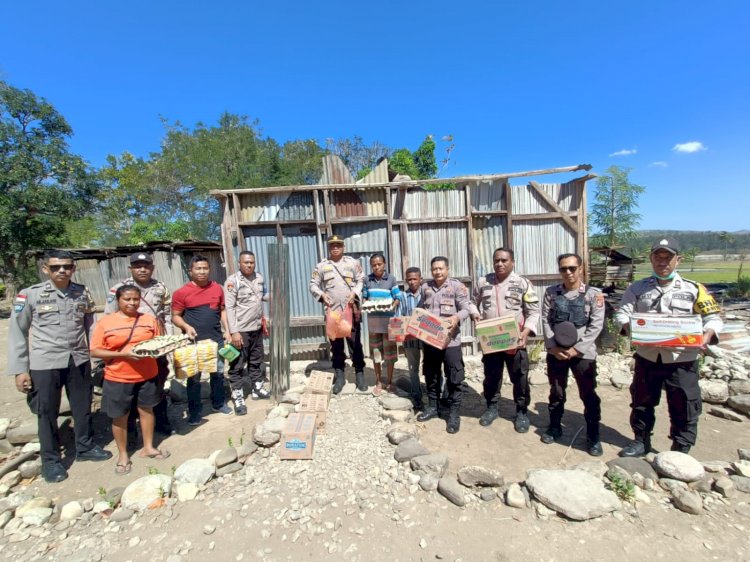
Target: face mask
667, 278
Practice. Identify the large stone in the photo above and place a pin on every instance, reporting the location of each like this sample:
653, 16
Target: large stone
278, 412
245, 450
621, 379
22, 434
742, 468
290, 398
13, 501
71, 510
225, 457
714, 391
688, 501
121, 514
397, 415
743, 454
38, 516
400, 432
33, 504
409, 449
724, 486
719, 467
678, 466
452, 490
726, 414
514, 496
736, 387
428, 482
741, 483
144, 491
228, 469
5, 446
4, 425
435, 464
265, 438
274, 425
741, 403
30, 468
186, 491
390, 402
672, 485
479, 476
596, 468
196, 471
634, 465
576, 494
114, 495
13, 478
5, 519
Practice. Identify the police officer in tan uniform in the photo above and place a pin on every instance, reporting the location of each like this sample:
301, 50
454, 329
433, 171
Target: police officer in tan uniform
448, 298
572, 318
499, 294
337, 282
156, 300
674, 369
57, 316
244, 293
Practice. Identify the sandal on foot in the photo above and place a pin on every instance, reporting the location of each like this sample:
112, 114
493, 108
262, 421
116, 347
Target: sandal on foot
123, 469
160, 456
377, 390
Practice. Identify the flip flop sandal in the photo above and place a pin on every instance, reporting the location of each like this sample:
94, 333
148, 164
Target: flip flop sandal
377, 391
123, 469
160, 456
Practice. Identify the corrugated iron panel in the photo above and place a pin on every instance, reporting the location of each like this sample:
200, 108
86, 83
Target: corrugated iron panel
488, 196
396, 262
170, 269
379, 174
348, 203
298, 206
260, 207
363, 240
526, 201
420, 204
489, 234
335, 171
537, 245
89, 273
448, 239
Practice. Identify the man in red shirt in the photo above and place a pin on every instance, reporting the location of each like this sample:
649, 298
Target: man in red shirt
198, 310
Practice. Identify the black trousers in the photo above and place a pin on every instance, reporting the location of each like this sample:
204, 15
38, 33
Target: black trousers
680, 380
450, 359
354, 343
44, 401
517, 365
584, 371
251, 355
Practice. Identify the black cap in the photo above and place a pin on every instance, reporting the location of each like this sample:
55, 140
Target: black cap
335, 239
566, 334
141, 256
668, 244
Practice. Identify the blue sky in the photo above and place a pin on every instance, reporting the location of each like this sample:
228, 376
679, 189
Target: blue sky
662, 87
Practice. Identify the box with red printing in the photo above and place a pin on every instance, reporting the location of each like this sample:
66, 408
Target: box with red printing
397, 328
429, 328
666, 330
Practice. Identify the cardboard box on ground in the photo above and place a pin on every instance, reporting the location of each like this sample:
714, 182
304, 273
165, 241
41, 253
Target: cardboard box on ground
298, 437
498, 334
315, 404
666, 330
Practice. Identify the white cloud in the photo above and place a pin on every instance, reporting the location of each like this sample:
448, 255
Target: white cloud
624, 152
689, 147
658, 164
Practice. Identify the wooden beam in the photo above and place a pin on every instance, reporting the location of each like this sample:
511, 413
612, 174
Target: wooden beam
489, 213
543, 216
271, 224
388, 233
349, 220
508, 242
459, 180
554, 206
431, 220
469, 234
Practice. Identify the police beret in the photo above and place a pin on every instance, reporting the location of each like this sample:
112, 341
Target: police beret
141, 256
335, 239
566, 334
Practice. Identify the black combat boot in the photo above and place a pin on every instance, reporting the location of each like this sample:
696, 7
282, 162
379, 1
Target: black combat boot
360, 381
552, 434
339, 380
490, 415
431, 411
594, 446
638, 447
521, 424
454, 419
679, 447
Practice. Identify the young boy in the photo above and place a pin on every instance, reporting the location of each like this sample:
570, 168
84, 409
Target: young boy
381, 286
411, 299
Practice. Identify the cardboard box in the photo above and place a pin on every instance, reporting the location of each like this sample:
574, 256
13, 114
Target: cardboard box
397, 328
498, 334
319, 383
298, 438
429, 328
665, 330
315, 404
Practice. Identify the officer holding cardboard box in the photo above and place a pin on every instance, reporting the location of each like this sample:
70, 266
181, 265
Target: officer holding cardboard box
674, 368
499, 294
448, 298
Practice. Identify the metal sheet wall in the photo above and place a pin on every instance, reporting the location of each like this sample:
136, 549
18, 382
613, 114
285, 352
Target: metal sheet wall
537, 245
525, 200
89, 273
396, 263
488, 196
363, 240
420, 204
442, 239
489, 234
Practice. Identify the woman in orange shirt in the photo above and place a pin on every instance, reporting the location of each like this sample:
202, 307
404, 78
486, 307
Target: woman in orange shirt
128, 377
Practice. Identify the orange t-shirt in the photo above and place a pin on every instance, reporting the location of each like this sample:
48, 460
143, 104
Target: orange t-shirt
111, 332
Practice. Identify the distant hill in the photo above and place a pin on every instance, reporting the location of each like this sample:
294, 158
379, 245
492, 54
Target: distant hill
706, 241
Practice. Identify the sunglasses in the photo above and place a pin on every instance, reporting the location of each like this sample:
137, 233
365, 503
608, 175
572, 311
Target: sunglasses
570, 268
65, 267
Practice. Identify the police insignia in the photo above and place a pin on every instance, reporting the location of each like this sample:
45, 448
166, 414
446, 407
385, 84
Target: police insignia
599, 300
230, 286
705, 303
19, 303
110, 298
530, 296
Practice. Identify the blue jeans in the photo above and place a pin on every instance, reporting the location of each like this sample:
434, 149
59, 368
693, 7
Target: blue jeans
217, 390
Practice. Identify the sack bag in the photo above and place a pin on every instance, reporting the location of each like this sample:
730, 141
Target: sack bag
339, 323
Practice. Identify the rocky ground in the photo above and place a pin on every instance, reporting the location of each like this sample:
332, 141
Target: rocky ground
382, 486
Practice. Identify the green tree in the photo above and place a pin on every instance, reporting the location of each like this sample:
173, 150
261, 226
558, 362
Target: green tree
424, 159
359, 157
43, 186
726, 238
402, 162
614, 211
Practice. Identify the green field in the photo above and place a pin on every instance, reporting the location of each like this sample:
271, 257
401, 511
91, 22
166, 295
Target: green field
703, 271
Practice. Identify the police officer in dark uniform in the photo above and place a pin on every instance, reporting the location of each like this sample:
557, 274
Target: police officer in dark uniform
59, 315
156, 300
572, 318
674, 369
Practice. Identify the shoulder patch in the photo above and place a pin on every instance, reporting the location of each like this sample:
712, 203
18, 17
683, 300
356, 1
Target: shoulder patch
530, 295
705, 303
599, 300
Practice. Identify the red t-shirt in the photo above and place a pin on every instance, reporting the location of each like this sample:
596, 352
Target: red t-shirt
201, 308
111, 332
